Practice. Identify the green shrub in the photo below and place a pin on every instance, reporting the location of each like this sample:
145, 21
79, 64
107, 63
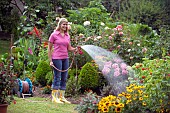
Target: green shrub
77, 29
88, 78
41, 71
72, 87
49, 78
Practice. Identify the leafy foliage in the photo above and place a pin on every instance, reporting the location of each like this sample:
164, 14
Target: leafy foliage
143, 11
154, 75
88, 77
88, 104
72, 88
41, 71
7, 82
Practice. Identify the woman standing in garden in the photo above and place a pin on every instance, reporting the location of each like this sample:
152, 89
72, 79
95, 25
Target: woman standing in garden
58, 48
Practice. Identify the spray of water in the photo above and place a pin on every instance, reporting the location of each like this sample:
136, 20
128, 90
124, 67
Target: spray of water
115, 70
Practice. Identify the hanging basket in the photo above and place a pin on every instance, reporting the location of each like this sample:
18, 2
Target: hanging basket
3, 108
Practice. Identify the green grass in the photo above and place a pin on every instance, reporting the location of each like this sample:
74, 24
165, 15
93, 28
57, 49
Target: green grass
4, 46
39, 105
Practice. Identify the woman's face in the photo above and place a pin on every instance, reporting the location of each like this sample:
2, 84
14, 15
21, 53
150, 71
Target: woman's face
63, 26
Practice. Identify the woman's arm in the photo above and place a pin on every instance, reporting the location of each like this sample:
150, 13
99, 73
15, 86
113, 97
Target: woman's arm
70, 48
50, 45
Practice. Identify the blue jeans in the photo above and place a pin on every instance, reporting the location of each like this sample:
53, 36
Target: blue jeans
60, 78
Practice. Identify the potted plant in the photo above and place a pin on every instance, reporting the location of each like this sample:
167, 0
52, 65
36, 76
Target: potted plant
6, 86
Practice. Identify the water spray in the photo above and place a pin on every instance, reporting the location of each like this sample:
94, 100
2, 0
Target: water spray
114, 69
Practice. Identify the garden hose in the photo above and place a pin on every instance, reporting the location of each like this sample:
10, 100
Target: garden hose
25, 87
68, 67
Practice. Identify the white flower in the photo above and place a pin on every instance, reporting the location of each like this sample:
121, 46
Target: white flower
138, 44
106, 28
129, 50
86, 23
102, 24
69, 23
98, 37
95, 39
144, 50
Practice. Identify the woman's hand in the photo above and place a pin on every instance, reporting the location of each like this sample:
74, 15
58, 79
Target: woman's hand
78, 50
51, 63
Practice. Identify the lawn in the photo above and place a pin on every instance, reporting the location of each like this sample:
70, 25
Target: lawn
4, 46
39, 105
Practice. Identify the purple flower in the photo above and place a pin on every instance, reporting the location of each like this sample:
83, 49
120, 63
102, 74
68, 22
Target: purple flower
123, 66
30, 51
105, 70
117, 60
115, 65
117, 69
124, 72
116, 73
108, 64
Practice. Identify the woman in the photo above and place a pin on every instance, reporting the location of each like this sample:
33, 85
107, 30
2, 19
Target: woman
58, 47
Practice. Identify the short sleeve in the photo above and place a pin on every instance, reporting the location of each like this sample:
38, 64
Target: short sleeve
51, 39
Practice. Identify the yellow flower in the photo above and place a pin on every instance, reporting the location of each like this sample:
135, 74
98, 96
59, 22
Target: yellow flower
123, 93
117, 110
136, 87
129, 90
142, 86
129, 96
140, 98
120, 95
116, 103
108, 104
128, 101
134, 98
131, 85
144, 103
146, 96
118, 99
105, 109
121, 105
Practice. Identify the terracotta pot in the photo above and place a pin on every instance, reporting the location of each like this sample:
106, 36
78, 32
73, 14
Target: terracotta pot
3, 108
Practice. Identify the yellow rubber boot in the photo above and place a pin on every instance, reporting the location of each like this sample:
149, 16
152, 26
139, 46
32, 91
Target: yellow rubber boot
62, 98
55, 97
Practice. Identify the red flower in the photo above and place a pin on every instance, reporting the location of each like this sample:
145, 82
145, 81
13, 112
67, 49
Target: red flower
36, 31
29, 33
141, 81
45, 44
14, 101
80, 52
137, 66
130, 43
1, 64
143, 69
143, 77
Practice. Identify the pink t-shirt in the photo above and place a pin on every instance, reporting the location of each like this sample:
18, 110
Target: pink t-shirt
60, 44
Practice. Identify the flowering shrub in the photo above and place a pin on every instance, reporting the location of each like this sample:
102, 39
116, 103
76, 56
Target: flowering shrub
88, 104
7, 83
154, 75
116, 72
132, 101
